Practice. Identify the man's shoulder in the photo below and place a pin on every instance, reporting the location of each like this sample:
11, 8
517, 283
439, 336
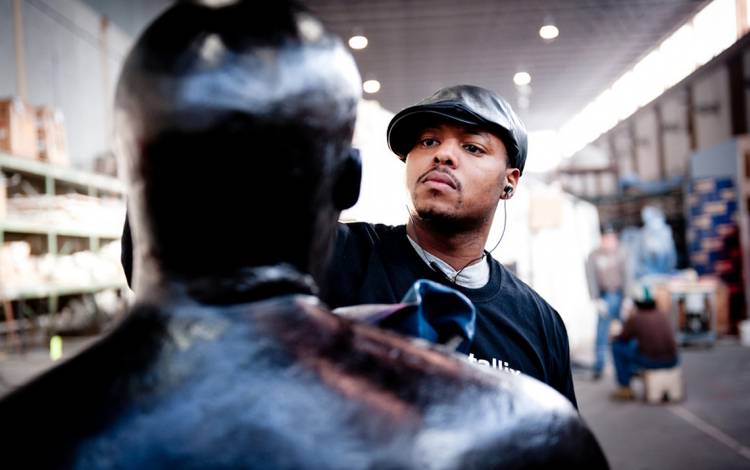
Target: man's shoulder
367, 228
367, 233
358, 244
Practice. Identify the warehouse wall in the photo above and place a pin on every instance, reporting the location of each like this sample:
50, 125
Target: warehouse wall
7, 54
712, 113
645, 134
131, 15
72, 57
676, 140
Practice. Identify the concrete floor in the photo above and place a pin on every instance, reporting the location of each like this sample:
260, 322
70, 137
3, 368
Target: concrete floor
710, 429
18, 368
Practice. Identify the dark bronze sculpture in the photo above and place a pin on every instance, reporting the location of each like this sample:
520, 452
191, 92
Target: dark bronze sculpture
235, 127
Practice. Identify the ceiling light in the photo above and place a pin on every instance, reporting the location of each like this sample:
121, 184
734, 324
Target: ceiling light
522, 78
371, 86
549, 32
358, 42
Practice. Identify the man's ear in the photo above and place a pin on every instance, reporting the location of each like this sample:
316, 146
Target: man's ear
512, 175
348, 181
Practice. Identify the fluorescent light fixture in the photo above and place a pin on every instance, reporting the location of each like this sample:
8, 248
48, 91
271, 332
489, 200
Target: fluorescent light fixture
713, 30
678, 64
648, 73
522, 78
358, 42
549, 32
371, 86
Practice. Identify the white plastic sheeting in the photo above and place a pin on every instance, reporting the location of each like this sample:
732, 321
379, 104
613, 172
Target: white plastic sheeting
551, 257
383, 196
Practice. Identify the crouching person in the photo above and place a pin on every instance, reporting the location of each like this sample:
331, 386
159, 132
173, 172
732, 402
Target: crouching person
645, 342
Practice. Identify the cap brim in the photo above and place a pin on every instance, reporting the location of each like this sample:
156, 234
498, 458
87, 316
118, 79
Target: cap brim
405, 125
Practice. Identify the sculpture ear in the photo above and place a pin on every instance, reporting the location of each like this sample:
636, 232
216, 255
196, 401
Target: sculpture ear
348, 180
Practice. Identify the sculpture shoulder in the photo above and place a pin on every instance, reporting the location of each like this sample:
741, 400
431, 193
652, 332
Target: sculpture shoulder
262, 384
85, 393
434, 400
308, 376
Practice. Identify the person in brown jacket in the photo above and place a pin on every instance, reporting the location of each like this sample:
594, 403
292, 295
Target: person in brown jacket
645, 342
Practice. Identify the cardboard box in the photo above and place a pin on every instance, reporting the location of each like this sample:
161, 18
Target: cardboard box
18, 134
545, 211
106, 164
52, 139
3, 197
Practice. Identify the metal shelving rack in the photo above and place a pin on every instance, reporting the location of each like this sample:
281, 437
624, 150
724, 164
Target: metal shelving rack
53, 176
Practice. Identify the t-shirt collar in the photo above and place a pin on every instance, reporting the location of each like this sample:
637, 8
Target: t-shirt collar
473, 277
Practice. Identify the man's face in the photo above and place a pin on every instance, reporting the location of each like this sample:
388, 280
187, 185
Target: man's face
457, 174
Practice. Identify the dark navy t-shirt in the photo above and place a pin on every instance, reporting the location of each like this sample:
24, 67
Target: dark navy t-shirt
517, 331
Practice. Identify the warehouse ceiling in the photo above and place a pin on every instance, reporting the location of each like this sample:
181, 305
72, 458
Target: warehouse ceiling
418, 46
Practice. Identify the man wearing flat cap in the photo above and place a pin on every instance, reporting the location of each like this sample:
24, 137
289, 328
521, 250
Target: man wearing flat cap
464, 150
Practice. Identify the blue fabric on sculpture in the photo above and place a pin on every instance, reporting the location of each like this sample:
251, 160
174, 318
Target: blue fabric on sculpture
436, 313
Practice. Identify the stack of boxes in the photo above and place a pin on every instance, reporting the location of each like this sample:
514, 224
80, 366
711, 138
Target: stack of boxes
3, 197
713, 232
18, 133
33, 132
53, 144
718, 229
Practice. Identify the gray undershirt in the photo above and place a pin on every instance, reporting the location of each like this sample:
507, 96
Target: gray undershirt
473, 277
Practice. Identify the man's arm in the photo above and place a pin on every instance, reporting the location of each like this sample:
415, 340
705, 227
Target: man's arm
346, 267
565, 373
628, 329
343, 273
593, 285
592, 282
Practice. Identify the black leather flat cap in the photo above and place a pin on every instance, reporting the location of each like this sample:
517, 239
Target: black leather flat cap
463, 104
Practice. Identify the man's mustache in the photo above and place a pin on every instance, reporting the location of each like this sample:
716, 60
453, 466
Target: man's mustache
443, 171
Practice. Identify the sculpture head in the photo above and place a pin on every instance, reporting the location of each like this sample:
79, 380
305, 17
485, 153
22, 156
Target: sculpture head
234, 127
